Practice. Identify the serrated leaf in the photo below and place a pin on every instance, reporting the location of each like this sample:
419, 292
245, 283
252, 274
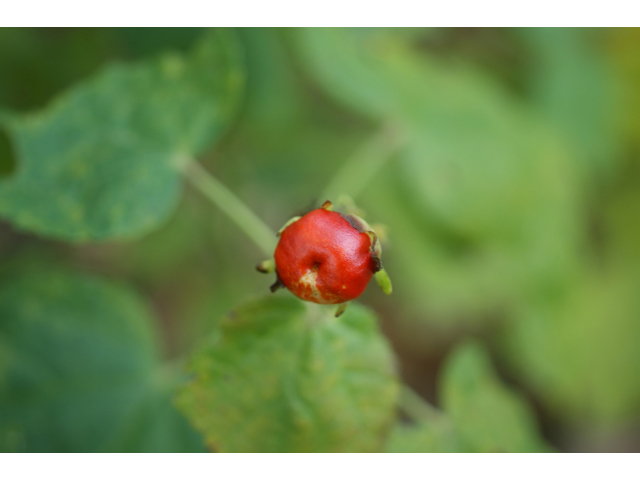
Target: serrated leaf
103, 161
280, 375
79, 369
488, 417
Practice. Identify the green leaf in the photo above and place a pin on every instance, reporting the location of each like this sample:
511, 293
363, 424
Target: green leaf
154, 425
579, 350
282, 122
448, 281
7, 157
621, 50
103, 161
37, 63
573, 86
355, 66
488, 417
475, 156
79, 371
479, 414
142, 42
280, 375
423, 437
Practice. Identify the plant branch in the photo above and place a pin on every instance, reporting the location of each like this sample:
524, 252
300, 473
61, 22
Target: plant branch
365, 162
261, 235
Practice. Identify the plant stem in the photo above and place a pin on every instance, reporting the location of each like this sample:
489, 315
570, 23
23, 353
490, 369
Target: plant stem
417, 407
232, 206
362, 166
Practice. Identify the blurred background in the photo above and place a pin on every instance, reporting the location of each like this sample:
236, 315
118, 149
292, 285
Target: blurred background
512, 213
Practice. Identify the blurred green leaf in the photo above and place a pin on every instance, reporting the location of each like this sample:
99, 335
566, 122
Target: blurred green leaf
38, 63
146, 41
347, 64
288, 139
79, 370
156, 426
273, 90
423, 437
621, 225
7, 155
575, 88
451, 282
486, 200
439, 277
103, 161
280, 375
479, 414
579, 350
159, 256
488, 417
475, 156
577, 347
623, 43
482, 168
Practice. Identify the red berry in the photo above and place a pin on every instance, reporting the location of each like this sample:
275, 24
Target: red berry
326, 257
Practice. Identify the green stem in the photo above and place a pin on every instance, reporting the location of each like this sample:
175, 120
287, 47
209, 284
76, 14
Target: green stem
362, 166
232, 206
417, 407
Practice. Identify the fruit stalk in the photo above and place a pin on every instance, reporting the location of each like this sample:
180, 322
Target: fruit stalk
263, 237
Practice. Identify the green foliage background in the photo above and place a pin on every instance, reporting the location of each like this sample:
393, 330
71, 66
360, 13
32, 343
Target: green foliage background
503, 163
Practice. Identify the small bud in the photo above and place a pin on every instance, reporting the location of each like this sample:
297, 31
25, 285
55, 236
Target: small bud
384, 281
341, 308
267, 266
